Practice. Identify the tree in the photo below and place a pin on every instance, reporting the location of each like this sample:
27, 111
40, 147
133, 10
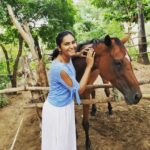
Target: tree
126, 11
13, 75
8, 39
28, 13
90, 23
143, 57
45, 17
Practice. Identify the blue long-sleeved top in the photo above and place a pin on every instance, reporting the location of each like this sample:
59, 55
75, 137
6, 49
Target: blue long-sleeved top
60, 94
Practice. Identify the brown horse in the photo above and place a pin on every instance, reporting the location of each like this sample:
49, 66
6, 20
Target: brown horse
113, 64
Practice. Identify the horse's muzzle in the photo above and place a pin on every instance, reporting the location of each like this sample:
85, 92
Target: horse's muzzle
133, 97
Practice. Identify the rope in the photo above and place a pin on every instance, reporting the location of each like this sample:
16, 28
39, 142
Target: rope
115, 94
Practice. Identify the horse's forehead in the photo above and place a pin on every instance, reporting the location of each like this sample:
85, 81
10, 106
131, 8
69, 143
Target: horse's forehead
117, 51
99, 47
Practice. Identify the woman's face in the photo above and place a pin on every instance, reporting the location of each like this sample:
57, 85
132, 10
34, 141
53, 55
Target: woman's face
68, 46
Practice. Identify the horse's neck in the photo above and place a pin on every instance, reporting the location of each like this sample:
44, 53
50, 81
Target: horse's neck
79, 65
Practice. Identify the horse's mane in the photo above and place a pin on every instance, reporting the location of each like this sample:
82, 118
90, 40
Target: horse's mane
95, 42
82, 44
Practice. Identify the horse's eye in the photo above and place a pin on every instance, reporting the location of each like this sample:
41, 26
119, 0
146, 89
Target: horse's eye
118, 63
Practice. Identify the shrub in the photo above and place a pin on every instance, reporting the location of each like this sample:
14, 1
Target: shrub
3, 101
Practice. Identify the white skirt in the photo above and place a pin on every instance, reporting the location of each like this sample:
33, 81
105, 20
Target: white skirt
58, 127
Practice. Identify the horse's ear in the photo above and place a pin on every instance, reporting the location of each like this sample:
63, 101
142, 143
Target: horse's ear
107, 40
125, 39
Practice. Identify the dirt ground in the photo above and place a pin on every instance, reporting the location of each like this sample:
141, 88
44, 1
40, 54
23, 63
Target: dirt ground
127, 129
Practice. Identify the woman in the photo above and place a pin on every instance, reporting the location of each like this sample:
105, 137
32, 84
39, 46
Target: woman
58, 117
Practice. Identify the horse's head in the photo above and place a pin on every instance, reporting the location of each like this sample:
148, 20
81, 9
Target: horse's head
114, 64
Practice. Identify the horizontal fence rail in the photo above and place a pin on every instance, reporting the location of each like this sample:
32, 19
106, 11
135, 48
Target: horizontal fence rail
34, 88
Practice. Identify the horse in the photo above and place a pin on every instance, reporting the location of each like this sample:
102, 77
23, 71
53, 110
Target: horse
113, 64
106, 89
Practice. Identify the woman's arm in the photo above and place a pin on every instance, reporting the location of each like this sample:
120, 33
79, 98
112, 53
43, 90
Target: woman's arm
89, 60
85, 77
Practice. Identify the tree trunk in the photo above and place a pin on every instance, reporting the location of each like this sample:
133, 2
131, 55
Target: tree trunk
7, 62
37, 47
15, 67
24, 30
42, 76
41, 70
142, 42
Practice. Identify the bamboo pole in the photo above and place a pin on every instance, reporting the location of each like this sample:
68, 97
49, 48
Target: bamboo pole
36, 88
95, 86
33, 88
83, 102
144, 82
34, 105
16, 135
11, 90
146, 96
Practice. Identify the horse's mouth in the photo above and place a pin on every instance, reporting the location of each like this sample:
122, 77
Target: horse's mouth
133, 98
132, 95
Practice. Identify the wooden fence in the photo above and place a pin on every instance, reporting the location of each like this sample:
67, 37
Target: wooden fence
34, 88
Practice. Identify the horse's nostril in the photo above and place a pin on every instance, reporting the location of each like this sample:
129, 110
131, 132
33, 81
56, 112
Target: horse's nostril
137, 97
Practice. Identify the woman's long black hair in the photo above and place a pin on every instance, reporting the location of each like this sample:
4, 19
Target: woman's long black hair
59, 39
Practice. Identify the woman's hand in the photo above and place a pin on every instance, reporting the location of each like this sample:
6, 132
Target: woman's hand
90, 57
84, 51
88, 53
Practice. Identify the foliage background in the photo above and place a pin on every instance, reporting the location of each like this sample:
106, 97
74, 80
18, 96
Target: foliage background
87, 19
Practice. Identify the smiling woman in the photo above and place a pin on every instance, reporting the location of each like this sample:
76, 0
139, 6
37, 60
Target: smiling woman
67, 48
58, 118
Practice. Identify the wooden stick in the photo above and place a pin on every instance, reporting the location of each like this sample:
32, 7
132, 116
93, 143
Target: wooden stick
87, 101
11, 90
33, 88
38, 105
95, 86
15, 138
146, 96
83, 102
27, 88
144, 82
